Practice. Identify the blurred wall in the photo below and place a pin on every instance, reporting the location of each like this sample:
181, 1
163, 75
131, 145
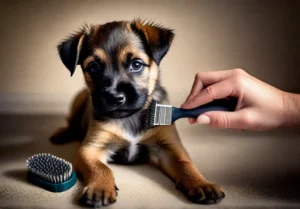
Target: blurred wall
260, 36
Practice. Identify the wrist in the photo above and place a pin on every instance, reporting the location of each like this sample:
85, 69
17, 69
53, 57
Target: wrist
291, 109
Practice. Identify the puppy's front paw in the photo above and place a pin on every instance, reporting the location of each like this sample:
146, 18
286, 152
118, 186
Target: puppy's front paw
204, 193
97, 194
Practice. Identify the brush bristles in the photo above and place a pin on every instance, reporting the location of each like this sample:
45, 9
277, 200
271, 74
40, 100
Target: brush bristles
159, 114
151, 114
49, 167
163, 115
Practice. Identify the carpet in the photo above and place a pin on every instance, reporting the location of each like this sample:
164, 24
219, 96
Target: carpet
255, 169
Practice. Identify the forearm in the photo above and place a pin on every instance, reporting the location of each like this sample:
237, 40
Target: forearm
291, 113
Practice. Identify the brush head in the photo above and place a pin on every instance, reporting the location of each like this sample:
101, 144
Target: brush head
158, 114
50, 172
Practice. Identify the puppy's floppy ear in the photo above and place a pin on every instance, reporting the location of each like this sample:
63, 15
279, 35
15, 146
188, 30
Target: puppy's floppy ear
69, 50
157, 38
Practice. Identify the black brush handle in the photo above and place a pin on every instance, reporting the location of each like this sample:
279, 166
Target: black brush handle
216, 105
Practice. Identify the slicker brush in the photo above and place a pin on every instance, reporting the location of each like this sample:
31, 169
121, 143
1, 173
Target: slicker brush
161, 114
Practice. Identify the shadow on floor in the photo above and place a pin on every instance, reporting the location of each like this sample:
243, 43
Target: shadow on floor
17, 174
278, 187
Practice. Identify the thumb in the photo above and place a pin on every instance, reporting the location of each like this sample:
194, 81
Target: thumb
220, 119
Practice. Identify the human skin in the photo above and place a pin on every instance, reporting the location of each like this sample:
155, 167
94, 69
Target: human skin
260, 106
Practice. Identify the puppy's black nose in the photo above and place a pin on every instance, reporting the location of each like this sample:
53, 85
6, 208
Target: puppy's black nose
120, 98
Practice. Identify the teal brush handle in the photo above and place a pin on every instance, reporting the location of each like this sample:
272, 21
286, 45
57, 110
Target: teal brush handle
59, 187
216, 105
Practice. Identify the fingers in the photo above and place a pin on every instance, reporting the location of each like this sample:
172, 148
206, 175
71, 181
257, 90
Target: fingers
218, 90
197, 87
242, 119
204, 79
209, 86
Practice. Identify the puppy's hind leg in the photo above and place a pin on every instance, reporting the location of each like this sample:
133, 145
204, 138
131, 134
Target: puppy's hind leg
75, 129
64, 135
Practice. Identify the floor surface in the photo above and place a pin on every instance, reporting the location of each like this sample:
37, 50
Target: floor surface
256, 169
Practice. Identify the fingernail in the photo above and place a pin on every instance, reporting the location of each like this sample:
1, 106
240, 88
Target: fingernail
203, 120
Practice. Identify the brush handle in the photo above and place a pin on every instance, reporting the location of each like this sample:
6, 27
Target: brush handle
216, 105
52, 187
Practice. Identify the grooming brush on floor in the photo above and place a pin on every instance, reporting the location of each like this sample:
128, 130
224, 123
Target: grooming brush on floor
159, 114
50, 172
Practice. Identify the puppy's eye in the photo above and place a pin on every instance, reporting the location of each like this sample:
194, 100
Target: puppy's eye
94, 68
136, 66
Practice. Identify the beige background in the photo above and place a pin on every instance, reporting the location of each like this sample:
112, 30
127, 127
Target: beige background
260, 36
255, 169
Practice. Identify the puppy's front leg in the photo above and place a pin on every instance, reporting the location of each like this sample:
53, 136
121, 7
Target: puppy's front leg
98, 179
175, 162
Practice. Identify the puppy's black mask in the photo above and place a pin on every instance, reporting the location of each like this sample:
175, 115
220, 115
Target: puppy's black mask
120, 64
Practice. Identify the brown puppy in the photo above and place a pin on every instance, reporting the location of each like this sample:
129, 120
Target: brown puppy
120, 63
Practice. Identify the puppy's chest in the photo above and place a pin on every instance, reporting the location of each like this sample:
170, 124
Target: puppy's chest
133, 151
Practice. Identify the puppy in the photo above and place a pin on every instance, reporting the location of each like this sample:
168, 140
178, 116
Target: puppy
120, 63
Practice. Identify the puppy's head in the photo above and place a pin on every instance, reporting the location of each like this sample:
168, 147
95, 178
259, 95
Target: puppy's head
120, 63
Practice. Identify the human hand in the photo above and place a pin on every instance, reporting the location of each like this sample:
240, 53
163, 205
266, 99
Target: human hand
260, 106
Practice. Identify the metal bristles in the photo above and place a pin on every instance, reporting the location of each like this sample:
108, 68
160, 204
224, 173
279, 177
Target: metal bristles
49, 167
151, 114
159, 114
163, 115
